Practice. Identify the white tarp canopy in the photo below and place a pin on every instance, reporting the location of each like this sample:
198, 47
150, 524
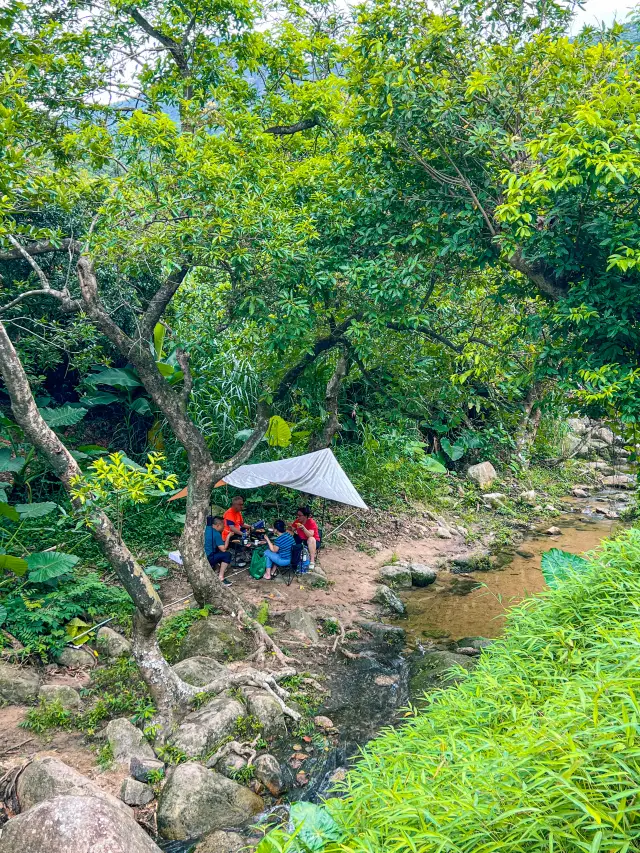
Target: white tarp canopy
317, 473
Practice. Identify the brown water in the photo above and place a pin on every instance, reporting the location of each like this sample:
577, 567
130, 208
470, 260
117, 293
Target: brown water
474, 604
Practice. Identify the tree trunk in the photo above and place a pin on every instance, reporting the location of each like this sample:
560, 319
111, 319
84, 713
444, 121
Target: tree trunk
332, 425
167, 690
528, 429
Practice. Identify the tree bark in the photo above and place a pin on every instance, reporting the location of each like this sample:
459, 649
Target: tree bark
528, 428
332, 425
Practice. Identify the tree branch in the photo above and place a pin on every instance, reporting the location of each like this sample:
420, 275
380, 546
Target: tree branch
290, 129
159, 301
175, 49
66, 245
62, 296
428, 333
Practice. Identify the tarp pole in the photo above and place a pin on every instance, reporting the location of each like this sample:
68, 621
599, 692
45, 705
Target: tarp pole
342, 522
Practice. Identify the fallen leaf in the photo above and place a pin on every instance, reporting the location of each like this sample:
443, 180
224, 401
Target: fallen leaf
297, 747
302, 778
306, 739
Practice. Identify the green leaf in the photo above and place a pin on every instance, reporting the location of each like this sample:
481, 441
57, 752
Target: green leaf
93, 449
9, 512
75, 627
46, 565
9, 463
131, 464
159, 333
63, 416
36, 510
557, 565
279, 432
100, 398
432, 464
315, 826
165, 369
3, 614
243, 434
119, 377
156, 572
141, 406
13, 564
453, 451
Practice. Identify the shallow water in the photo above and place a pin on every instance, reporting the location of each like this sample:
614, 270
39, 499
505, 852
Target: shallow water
474, 604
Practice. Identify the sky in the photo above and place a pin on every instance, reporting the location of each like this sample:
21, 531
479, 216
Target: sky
597, 11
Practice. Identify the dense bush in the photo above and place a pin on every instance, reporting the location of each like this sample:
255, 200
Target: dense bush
537, 750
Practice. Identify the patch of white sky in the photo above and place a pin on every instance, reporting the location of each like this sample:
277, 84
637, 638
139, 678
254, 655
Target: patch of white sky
598, 12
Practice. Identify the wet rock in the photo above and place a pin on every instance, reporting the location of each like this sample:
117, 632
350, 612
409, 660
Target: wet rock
422, 575
529, 497
323, 722
44, 778
620, 481
201, 730
495, 500
553, 531
222, 842
432, 670
76, 658
72, 824
303, 623
216, 637
127, 741
527, 553
577, 492
387, 634
19, 685
472, 563
600, 466
195, 801
483, 474
550, 508
62, 693
388, 599
269, 773
111, 644
396, 577
444, 533
135, 793
266, 709
478, 643
198, 671
141, 768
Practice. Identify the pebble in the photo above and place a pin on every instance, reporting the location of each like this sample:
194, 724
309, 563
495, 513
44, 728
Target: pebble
323, 722
553, 531
443, 533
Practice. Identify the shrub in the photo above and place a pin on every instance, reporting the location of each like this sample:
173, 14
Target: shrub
537, 750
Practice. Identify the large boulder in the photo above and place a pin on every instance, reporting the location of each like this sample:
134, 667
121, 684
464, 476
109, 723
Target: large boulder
222, 842
389, 600
72, 824
494, 500
433, 669
76, 658
215, 637
620, 481
483, 474
529, 497
266, 710
127, 741
303, 623
396, 577
44, 778
422, 575
604, 434
391, 635
578, 425
62, 693
195, 801
198, 671
111, 644
269, 773
201, 730
18, 685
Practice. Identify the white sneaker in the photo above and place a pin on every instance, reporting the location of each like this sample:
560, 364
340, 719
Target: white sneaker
312, 566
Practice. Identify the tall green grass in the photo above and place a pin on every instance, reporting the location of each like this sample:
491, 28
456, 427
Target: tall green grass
537, 750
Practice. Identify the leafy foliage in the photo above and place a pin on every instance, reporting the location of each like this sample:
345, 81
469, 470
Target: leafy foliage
557, 565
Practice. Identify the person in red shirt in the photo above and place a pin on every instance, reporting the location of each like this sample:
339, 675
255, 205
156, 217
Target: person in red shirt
306, 531
233, 520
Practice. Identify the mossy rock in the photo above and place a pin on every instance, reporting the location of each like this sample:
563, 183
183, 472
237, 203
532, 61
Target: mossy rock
215, 637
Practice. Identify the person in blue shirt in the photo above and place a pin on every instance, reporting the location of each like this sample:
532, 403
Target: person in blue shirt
216, 548
279, 553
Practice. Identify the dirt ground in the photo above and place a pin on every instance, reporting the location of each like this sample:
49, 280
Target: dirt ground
351, 576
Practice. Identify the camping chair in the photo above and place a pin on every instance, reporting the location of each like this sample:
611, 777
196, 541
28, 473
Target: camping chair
294, 567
